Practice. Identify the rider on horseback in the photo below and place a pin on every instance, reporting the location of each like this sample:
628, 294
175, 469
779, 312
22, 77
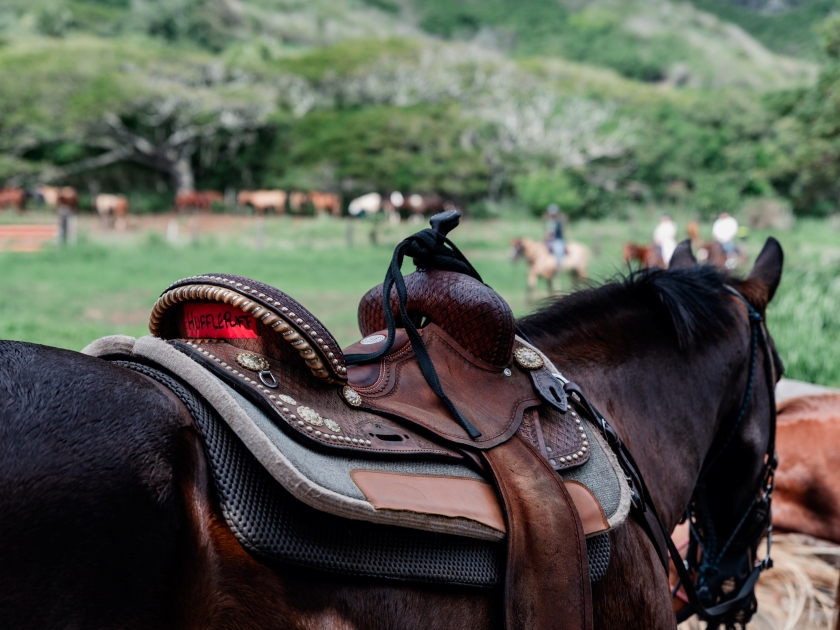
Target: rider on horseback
554, 232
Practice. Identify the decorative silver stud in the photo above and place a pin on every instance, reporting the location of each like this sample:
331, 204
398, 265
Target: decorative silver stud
527, 358
351, 396
507, 372
367, 442
252, 362
300, 423
318, 433
552, 462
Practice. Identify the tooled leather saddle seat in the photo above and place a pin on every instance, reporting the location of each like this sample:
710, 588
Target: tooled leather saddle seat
491, 402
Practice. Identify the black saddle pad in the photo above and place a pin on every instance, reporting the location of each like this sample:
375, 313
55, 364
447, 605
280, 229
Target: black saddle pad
278, 529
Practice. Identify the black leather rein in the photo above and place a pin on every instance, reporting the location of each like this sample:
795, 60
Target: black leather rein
645, 512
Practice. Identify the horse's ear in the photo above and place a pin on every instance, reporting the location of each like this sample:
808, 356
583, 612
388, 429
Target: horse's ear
767, 270
682, 256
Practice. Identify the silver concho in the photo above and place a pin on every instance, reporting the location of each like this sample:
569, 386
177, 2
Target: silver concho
351, 396
252, 362
310, 416
372, 339
332, 425
287, 399
527, 358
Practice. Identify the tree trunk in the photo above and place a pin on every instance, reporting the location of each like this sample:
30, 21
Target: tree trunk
182, 174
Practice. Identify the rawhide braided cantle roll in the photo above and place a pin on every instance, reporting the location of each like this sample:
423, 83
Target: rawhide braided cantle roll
249, 314
472, 313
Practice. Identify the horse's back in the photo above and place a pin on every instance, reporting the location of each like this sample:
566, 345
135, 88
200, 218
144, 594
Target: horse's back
91, 517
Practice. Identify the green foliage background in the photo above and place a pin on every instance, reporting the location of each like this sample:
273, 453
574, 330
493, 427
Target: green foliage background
591, 106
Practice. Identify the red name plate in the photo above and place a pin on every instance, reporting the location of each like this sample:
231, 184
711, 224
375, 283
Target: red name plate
218, 321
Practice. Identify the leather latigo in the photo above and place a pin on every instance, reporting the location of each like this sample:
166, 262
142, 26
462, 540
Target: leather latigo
547, 579
490, 399
306, 407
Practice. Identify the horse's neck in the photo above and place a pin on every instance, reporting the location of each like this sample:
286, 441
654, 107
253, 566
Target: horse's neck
665, 411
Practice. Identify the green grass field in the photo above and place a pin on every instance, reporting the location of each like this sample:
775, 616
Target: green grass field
106, 283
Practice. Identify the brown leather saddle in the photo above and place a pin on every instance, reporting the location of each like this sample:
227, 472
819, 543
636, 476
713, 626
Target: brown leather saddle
510, 417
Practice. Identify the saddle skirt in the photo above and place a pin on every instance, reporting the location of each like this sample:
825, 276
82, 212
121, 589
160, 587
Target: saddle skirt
347, 441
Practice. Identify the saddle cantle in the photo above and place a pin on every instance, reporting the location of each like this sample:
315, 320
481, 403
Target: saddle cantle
489, 404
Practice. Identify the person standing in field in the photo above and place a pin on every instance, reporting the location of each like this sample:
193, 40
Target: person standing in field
724, 231
554, 232
665, 238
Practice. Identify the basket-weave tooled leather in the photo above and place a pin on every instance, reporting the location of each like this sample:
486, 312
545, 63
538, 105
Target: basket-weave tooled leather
470, 312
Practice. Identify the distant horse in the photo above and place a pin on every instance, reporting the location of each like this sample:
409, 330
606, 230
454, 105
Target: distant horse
543, 264
110, 517
808, 480
197, 199
13, 197
56, 197
262, 200
112, 210
647, 255
711, 252
325, 202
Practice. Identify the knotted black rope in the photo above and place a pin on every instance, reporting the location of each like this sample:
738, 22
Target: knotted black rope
430, 249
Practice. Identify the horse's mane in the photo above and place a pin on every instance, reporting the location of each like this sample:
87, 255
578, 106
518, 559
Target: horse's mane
688, 303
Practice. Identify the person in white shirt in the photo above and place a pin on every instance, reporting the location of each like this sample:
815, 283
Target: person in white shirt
665, 238
724, 230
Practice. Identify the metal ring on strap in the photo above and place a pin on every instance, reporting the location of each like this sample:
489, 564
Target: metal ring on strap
291, 325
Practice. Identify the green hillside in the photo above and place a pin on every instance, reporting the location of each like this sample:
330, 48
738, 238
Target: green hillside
482, 101
785, 27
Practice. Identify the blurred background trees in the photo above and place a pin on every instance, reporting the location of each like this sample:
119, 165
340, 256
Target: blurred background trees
708, 104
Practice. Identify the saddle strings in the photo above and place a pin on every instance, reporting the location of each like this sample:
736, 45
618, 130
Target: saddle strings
430, 250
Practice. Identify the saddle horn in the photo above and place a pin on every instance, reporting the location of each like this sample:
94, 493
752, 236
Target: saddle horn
469, 311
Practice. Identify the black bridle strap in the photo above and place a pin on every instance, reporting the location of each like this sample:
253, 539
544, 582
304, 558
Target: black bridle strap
645, 512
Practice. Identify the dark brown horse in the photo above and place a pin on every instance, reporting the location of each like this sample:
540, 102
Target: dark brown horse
109, 517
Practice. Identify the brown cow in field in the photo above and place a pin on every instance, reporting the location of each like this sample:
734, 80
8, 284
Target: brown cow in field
63, 196
197, 199
326, 202
112, 210
13, 197
262, 200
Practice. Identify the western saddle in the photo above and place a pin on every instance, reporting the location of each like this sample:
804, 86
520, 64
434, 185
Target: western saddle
439, 373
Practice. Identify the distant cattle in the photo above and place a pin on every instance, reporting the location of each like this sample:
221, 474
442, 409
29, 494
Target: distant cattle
326, 202
13, 197
366, 204
197, 199
64, 196
112, 210
262, 200
297, 200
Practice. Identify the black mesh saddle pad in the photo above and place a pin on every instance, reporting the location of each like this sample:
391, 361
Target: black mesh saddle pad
277, 528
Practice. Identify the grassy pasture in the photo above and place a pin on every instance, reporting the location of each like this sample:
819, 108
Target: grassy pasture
106, 283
